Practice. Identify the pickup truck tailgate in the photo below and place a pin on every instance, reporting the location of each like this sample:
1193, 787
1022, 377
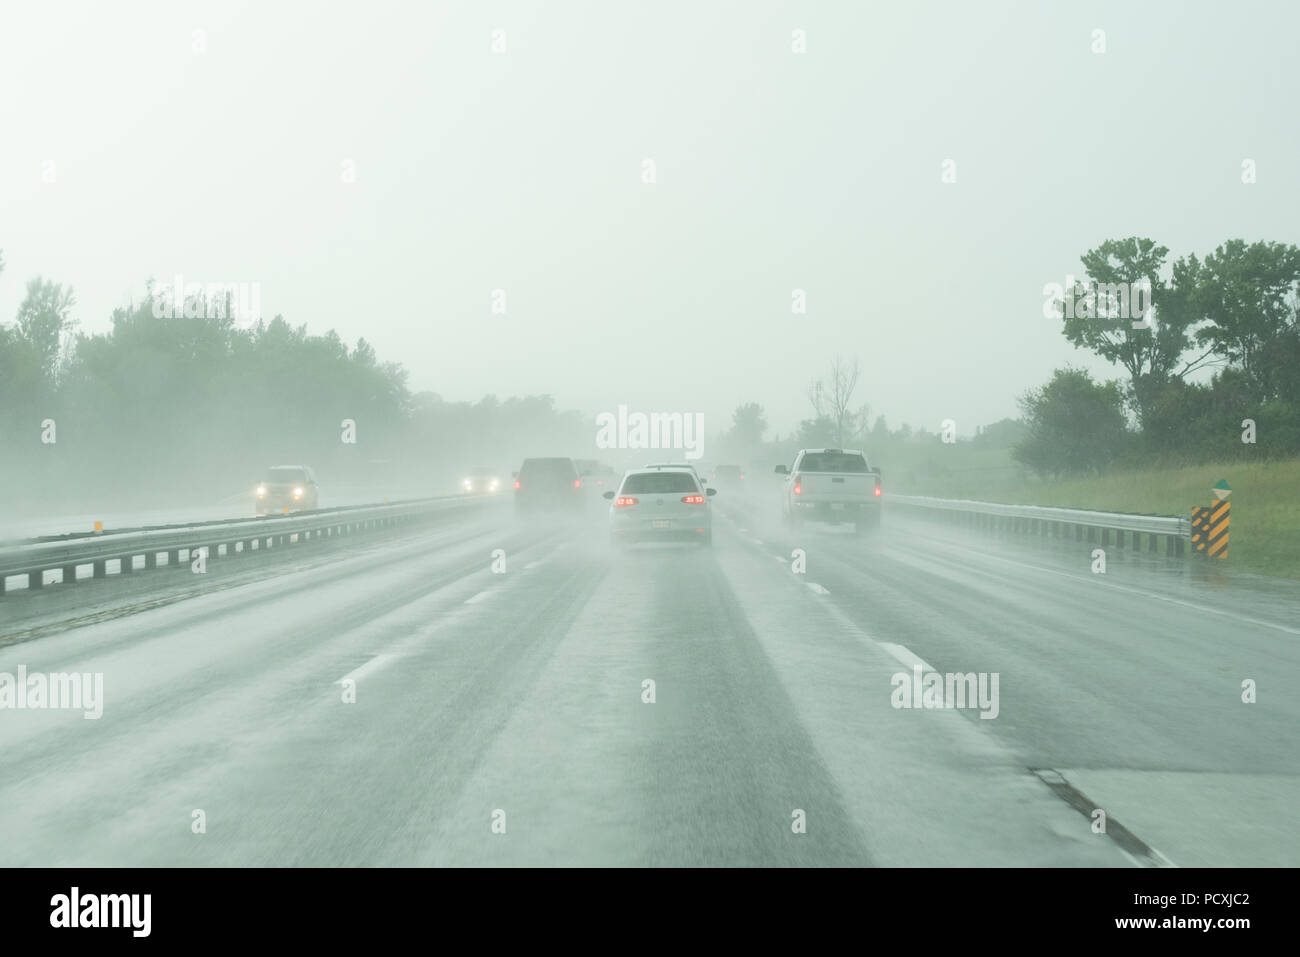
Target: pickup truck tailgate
837, 486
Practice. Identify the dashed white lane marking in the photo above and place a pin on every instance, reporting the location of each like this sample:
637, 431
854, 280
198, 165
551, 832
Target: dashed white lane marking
818, 588
758, 541
475, 599
778, 558
374, 664
905, 656
540, 561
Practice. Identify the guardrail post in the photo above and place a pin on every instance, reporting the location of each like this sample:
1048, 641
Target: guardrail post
69, 574
35, 580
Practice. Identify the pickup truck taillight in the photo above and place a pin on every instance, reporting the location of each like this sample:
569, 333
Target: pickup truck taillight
798, 485
877, 488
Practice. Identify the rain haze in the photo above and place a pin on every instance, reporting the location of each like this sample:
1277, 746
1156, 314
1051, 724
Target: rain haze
467, 369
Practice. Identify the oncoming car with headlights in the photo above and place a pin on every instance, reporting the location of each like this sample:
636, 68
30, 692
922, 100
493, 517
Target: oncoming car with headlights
481, 482
287, 487
660, 504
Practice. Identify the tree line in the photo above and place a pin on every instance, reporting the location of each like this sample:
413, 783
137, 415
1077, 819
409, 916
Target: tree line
193, 408
1234, 313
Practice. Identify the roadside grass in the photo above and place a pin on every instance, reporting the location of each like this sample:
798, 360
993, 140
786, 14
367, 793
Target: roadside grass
1265, 495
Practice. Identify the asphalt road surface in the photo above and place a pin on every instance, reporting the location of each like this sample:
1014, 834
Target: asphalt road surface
506, 716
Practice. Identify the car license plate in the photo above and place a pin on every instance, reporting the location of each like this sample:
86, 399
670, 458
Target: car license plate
837, 506
661, 523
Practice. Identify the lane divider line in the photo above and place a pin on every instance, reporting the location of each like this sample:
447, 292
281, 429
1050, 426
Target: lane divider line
374, 664
905, 656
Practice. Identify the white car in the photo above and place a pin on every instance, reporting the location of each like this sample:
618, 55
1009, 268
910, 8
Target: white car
660, 503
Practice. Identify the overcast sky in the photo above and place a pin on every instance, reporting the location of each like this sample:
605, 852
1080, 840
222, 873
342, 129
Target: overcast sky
523, 171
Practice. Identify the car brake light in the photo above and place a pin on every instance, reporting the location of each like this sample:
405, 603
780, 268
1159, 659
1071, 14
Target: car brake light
877, 490
693, 499
624, 500
798, 485
577, 483
516, 483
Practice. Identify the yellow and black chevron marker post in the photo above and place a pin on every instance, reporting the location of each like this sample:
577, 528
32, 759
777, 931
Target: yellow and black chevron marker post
1200, 529
1213, 541
1217, 540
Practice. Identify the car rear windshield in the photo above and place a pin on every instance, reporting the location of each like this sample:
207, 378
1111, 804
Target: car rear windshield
285, 476
548, 469
647, 483
833, 462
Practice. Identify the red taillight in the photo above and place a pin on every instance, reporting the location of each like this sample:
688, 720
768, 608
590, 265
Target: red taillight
693, 499
516, 483
625, 500
798, 485
877, 490
577, 483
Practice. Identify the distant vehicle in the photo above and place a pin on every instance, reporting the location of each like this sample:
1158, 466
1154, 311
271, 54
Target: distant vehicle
595, 474
548, 484
287, 486
481, 482
729, 476
660, 504
677, 465
831, 485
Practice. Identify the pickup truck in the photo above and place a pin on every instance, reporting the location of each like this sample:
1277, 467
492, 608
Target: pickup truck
831, 485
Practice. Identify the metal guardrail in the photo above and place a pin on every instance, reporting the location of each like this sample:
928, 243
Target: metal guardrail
222, 538
1046, 519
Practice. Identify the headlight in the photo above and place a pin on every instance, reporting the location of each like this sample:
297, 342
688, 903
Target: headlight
261, 490
467, 483
297, 493
494, 485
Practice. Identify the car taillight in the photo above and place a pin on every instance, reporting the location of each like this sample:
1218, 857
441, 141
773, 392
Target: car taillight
693, 499
516, 483
577, 483
798, 485
624, 500
877, 489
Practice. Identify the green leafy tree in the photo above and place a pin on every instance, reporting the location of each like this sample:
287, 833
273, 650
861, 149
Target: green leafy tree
1074, 425
1248, 298
1150, 356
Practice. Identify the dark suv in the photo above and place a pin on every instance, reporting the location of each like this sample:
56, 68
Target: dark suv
548, 485
287, 487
